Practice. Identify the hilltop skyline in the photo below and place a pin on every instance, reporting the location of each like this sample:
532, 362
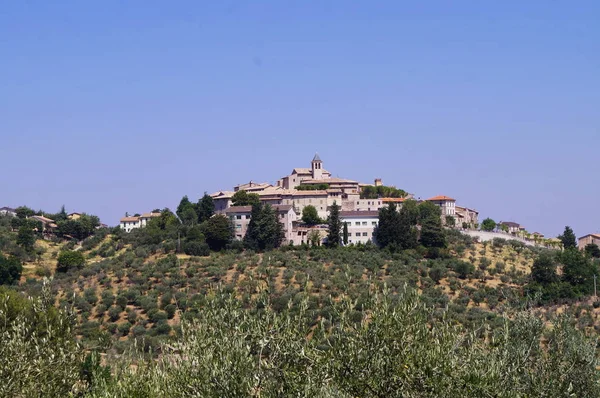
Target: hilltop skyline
108, 109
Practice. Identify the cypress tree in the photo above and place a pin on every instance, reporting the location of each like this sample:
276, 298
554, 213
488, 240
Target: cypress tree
335, 226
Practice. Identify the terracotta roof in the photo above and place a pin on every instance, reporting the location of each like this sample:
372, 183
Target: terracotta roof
222, 194
310, 193
150, 215
593, 235
329, 181
129, 219
301, 170
238, 209
396, 200
442, 198
354, 213
42, 219
510, 224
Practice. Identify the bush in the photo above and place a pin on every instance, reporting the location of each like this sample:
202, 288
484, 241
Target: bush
196, 249
124, 328
69, 260
10, 270
114, 313
463, 269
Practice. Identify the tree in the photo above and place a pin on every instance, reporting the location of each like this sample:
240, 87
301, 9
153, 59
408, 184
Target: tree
428, 210
265, 232
218, 232
24, 212
195, 248
432, 233
543, 270
243, 198
205, 208
186, 212
69, 259
450, 221
10, 270
389, 230
345, 234
578, 271
310, 215
592, 250
488, 224
26, 238
568, 238
335, 226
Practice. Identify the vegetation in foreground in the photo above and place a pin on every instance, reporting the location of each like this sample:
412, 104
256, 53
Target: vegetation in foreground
179, 307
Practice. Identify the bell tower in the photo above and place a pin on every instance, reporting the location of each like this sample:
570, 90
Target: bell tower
317, 168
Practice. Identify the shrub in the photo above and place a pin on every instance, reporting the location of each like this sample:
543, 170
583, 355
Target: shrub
69, 260
124, 328
463, 269
195, 248
114, 313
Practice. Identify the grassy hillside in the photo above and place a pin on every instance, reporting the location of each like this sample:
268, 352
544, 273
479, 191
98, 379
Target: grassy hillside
126, 292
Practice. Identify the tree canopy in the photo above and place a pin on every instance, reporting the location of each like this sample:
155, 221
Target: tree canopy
334, 237
265, 232
488, 224
10, 270
243, 198
568, 238
310, 215
218, 232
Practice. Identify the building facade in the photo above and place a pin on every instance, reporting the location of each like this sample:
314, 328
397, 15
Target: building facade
361, 225
588, 240
240, 217
129, 223
8, 211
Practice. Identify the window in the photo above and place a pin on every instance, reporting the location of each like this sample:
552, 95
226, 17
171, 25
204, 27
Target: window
238, 217
364, 223
357, 223
374, 223
364, 234
358, 234
358, 203
238, 226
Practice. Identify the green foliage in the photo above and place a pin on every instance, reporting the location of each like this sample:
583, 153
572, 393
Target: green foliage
79, 229
265, 232
195, 248
543, 270
26, 238
568, 238
334, 237
578, 271
68, 260
10, 270
205, 208
345, 233
312, 187
450, 221
218, 232
186, 212
243, 198
310, 215
24, 212
372, 192
488, 224
432, 234
592, 250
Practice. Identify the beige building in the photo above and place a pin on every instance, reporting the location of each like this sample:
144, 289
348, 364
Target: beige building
361, 225
315, 172
132, 222
464, 215
587, 240
240, 217
513, 228
252, 187
447, 204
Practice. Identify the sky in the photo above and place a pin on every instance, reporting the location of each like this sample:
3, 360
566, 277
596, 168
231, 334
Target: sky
125, 106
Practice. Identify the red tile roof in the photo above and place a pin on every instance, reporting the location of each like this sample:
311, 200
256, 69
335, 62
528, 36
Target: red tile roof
441, 198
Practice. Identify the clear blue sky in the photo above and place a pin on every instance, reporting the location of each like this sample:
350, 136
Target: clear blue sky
127, 106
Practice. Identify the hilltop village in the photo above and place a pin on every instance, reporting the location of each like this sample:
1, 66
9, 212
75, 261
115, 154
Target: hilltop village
315, 186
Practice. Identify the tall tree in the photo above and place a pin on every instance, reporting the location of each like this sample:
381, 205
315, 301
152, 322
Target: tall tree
568, 238
345, 234
310, 215
389, 230
543, 270
428, 210
265, 232
186, 212
218, 232
205, 208
488, 224
26, 238
578, 270
432, 233
24, 212
592, 250
10, 270
243, 198
335, 226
